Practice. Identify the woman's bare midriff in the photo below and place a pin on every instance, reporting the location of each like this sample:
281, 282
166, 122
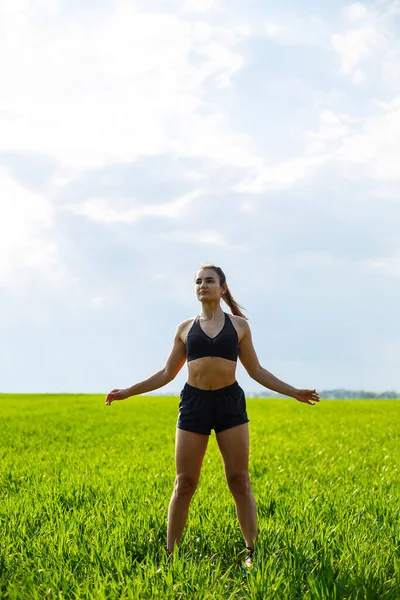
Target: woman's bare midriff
211, 372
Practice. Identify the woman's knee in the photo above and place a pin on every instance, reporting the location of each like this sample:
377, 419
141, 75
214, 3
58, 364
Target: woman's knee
239, 483
185, 485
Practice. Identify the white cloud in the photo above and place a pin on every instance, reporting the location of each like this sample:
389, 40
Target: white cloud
356, 12
371, 142
247, 206
104, 210
117, 87
389, 265
222, 60
376, 145
371, 39
8, 7
207, 237
333, 126
28, 240
359, 76
388, 191
101, 302
202, 32
356, 45
13, 8
332, 129
200, 6
291, 29
315, 260
273, 30
281, 176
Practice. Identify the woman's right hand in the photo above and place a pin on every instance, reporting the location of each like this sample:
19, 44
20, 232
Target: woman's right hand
117, 394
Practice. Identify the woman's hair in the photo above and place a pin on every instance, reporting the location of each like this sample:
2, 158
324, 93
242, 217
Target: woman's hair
227, 297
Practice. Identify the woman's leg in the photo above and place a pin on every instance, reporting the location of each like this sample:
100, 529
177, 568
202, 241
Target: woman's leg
234, 446
189, 452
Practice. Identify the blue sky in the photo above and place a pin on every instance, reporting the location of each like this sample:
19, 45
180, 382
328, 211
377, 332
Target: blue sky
141, 139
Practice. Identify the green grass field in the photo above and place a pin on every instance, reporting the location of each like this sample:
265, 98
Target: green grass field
85, 488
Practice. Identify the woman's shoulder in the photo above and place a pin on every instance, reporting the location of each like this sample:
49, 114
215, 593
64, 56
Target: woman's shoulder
239, 321
184, 327
241, 325
186, 322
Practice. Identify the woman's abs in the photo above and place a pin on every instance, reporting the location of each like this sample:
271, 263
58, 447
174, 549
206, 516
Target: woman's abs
211, 373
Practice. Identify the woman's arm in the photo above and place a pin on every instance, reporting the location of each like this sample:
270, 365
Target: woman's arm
154, 382
249, 359
174, 364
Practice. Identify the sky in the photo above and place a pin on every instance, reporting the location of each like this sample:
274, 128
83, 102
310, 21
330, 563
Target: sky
141, 139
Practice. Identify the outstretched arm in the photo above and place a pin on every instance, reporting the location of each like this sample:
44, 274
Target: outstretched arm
249, 359
174, 364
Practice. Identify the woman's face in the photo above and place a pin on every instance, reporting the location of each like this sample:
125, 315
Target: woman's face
207, 285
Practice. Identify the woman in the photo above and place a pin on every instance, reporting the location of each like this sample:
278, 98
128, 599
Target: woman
212, 399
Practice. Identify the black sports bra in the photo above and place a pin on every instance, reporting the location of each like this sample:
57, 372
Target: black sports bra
224, 345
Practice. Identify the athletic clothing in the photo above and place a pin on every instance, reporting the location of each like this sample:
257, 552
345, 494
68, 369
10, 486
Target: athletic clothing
201, 411
224, 345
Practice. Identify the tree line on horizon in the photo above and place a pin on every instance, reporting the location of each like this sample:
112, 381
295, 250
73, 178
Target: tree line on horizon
339, 393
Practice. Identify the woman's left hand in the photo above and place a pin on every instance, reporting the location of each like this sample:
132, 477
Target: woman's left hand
307, 396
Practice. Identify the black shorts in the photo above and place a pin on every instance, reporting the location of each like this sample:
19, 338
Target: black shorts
201, 411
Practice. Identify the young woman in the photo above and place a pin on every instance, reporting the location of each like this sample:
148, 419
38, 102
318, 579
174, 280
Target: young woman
212, 399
